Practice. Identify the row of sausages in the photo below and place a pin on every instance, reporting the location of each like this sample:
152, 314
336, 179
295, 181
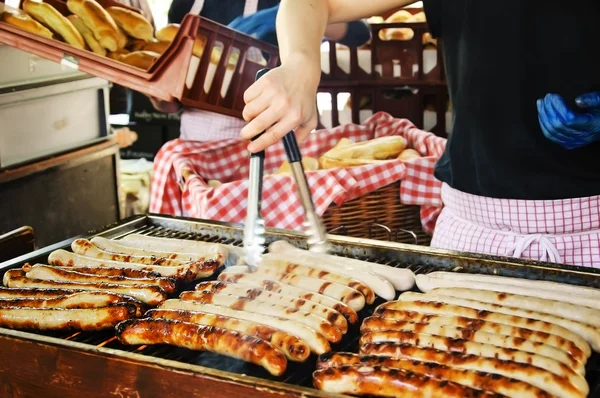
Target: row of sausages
456, 340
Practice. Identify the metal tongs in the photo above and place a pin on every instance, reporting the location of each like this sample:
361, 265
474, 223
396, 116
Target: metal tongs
254, 228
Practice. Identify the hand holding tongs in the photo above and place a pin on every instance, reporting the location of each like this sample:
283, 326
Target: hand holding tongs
313, 227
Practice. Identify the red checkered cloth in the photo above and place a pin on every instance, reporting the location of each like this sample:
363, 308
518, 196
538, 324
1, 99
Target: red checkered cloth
227, 161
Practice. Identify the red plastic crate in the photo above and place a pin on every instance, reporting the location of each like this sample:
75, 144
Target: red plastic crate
391, 61
177, 74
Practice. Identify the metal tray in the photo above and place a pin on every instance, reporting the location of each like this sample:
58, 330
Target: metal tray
78, 364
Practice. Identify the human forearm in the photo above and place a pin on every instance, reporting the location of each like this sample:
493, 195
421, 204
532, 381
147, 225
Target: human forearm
351, 34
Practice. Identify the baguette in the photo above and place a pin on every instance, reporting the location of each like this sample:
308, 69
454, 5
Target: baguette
23, 21
99, 22
132, 23
87, 35
48, 16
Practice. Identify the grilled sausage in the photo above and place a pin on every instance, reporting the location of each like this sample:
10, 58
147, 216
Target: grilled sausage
173, 245
508, 387
288, 267
60, 274
321, 325
332, 289
437, 308
289, 290
203, 338
488, 351
293, 348
317, 343
126, 272
402, 279
9, 293
385, 382
73, 300
566, 292
538, 377
515, 343
151, 295
380, 323
63, 258
211, 251
589, 333
60, 319
266, 296
573, 312
200, 269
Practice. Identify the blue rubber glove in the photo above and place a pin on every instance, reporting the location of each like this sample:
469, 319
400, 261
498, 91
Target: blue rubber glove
257, 25
566, 127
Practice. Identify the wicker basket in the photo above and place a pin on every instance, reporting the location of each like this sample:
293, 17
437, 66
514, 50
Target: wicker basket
378, 215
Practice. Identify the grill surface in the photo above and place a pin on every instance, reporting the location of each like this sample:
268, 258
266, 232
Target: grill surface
301, 374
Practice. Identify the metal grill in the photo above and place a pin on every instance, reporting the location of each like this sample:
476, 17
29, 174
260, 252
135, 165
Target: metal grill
419, 260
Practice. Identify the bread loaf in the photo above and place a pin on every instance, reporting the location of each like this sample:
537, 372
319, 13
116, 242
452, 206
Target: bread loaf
156, 46
139, 59
309, 164
367, 152
409, 154
19, 19
101, 24
87, 35
51, 18
132, 23
168, 33
117, 54
135, 45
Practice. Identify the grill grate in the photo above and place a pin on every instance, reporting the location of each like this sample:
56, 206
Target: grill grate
297, 374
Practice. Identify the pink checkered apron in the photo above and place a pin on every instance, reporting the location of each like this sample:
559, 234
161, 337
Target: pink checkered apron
559, 231
201, 125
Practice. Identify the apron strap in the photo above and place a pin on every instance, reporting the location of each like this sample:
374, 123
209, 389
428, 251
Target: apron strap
197, 7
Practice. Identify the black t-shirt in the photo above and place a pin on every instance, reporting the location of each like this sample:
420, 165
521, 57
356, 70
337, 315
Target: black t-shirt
501, 57
221, 11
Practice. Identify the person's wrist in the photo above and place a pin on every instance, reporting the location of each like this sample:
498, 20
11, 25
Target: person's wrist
306, 65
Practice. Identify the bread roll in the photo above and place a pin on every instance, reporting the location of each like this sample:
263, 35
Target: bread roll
309, 164
101, 24
139, 59
58, 23
87, 35
214, 183
344, 142
156, 46
132, 23
167, 33
362, 153
419, 17
400, 16
23, 21
398, 33
409, 154
117, 54
135, 45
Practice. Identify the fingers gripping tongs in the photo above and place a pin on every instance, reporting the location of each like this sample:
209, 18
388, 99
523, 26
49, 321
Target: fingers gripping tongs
313, 227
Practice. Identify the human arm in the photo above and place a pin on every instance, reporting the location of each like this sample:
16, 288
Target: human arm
351, 34
284, 99
570, 128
